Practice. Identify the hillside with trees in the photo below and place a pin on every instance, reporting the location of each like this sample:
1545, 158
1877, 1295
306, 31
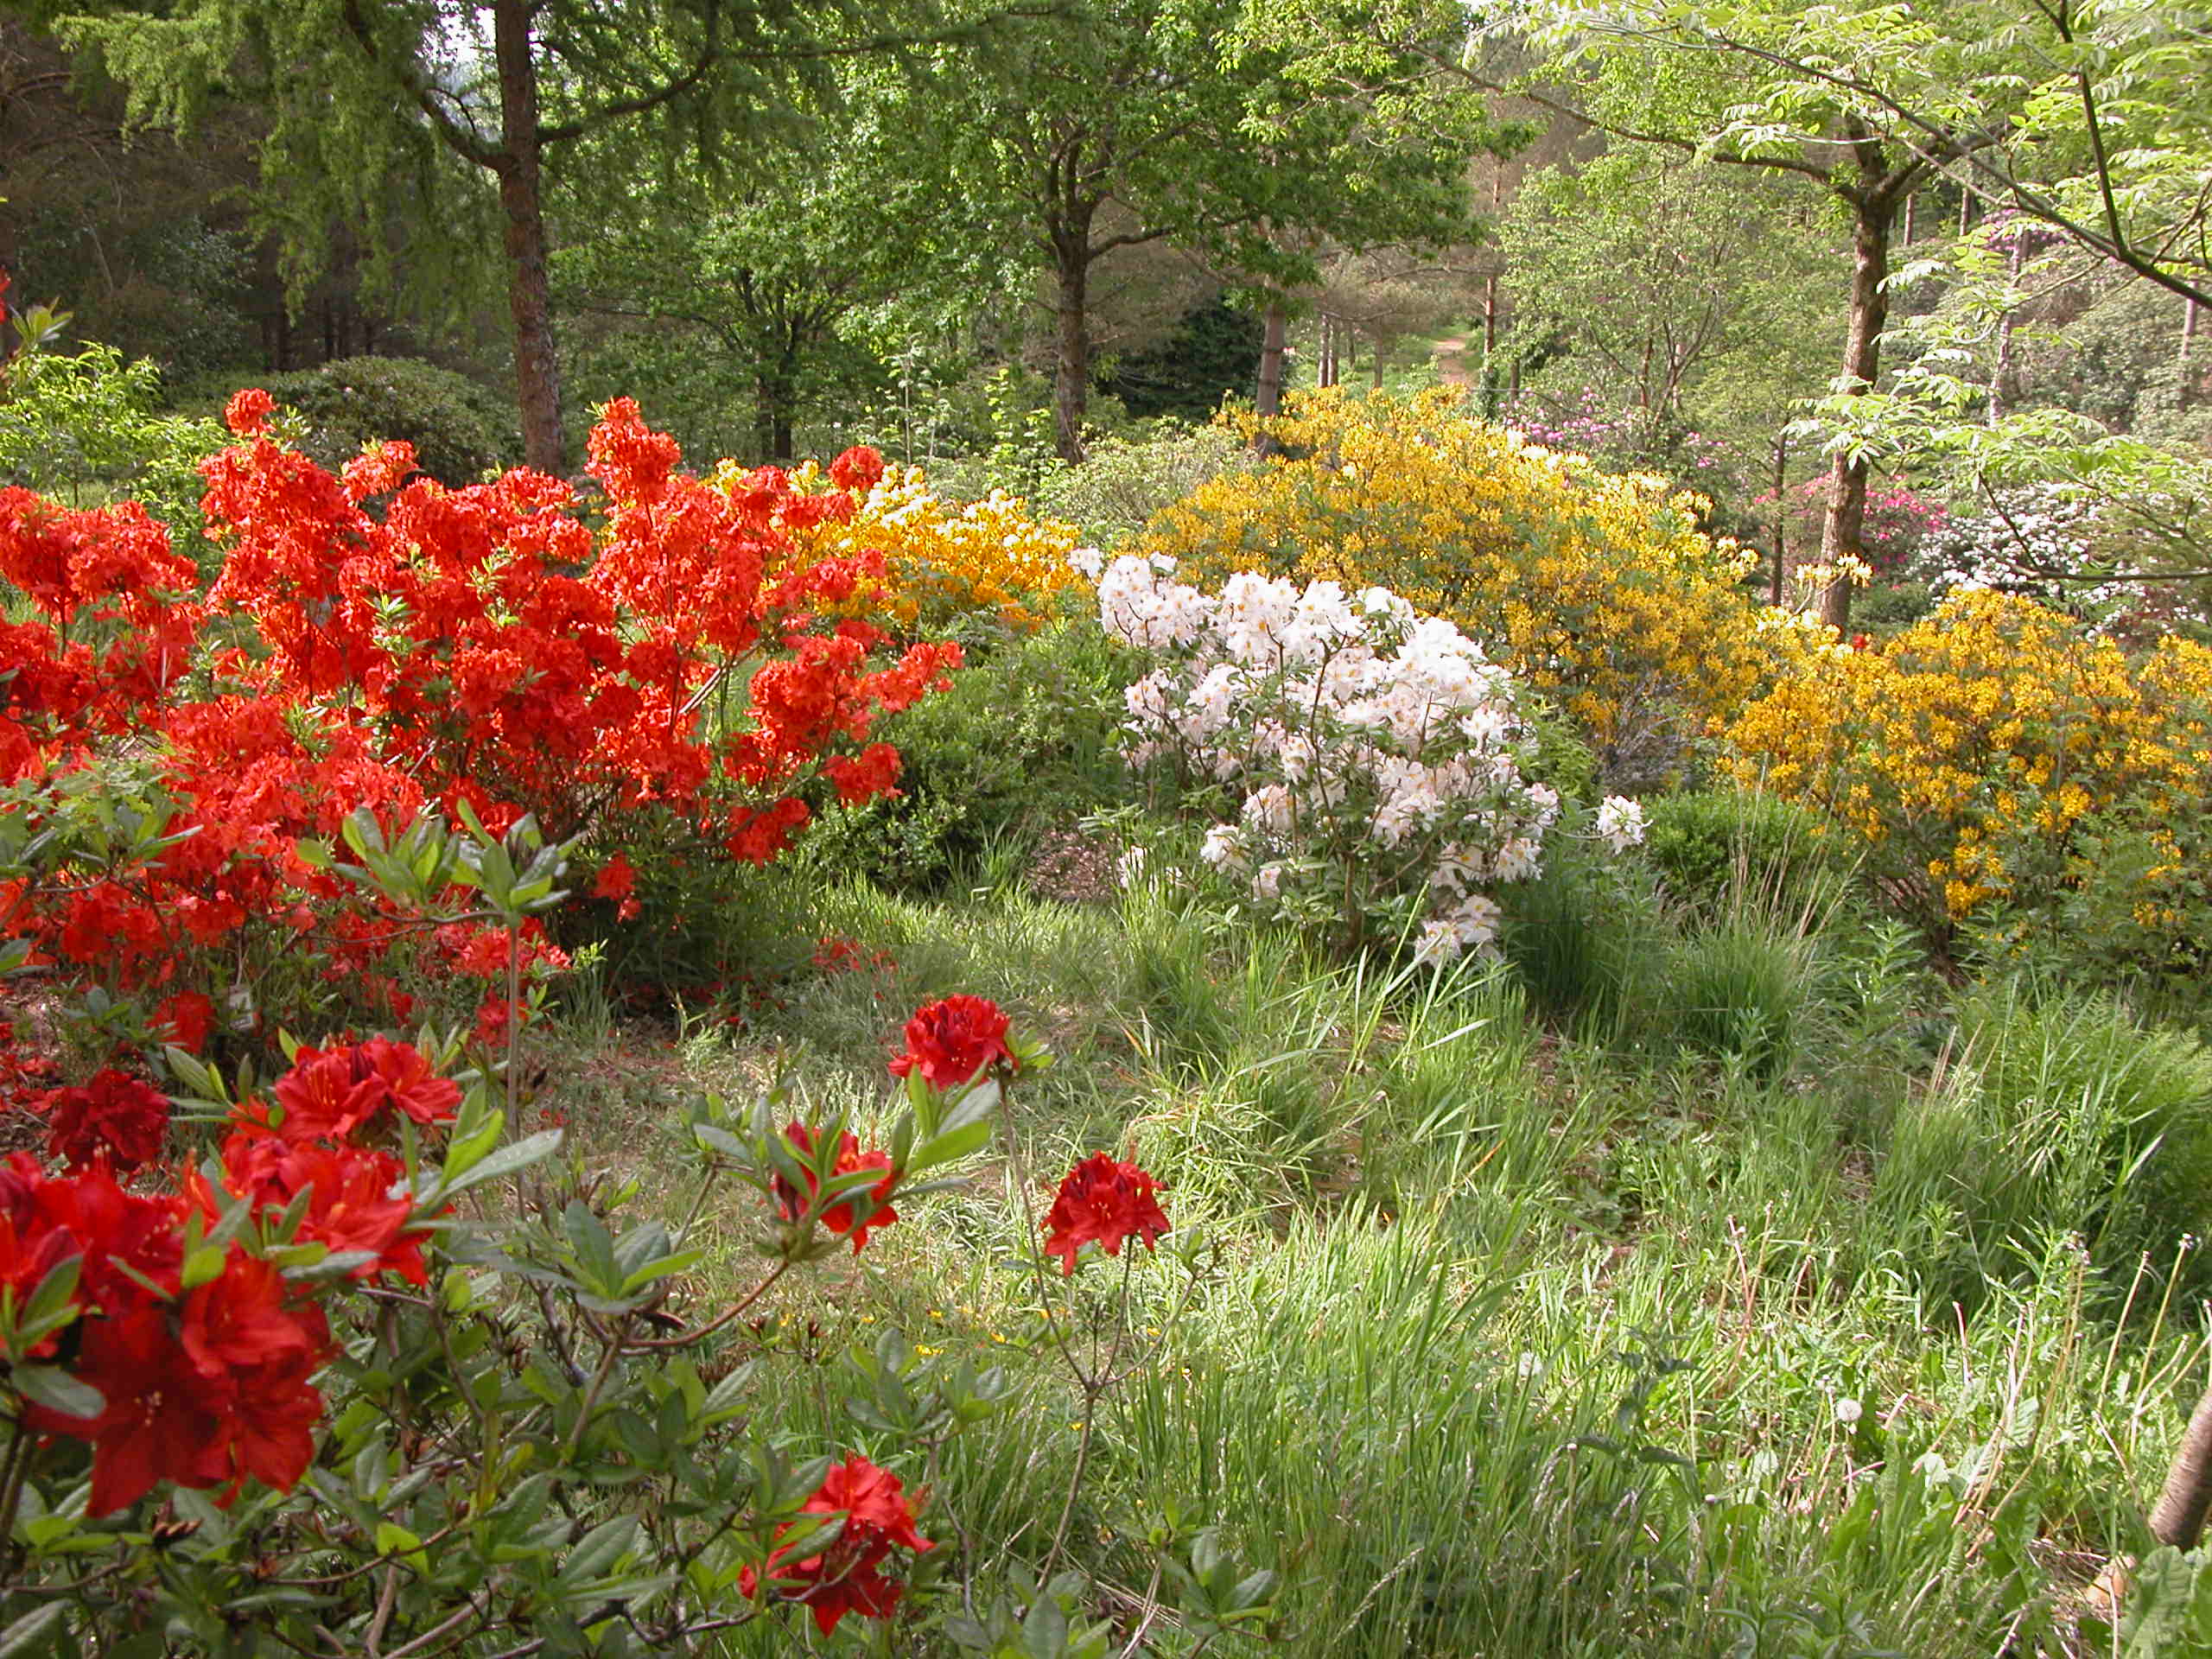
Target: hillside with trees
1106, 829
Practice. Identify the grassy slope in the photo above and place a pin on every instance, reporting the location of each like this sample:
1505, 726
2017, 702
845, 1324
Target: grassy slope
1518, 1343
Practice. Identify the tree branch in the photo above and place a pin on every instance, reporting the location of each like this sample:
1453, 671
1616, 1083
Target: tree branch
464, 141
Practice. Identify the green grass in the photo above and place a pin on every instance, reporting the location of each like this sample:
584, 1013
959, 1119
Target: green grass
1748, 1293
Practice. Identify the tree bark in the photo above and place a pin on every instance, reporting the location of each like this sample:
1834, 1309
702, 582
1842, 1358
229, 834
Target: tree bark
1781, 575
2000, 372
537, 370
1071, 366
775, 407
1267, 399
2185, 373
1874, 206
2178, 1515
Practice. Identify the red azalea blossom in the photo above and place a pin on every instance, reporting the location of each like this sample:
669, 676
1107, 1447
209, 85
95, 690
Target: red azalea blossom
355, 1202
225, 1397
184, 1020
1106, 1201
857, 1216
616, 879
952, 1040
859, 468
330, 1093
116, 1117
847, 1576
247, 413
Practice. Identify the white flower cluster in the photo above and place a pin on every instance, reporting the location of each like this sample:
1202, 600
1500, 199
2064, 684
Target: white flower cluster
2045, 541
1371, 756
1620, 824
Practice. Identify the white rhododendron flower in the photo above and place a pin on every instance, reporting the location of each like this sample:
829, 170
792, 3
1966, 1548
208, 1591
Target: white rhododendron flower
1223, 848
1269, 807
1620, 824
1437, 943
1474, 924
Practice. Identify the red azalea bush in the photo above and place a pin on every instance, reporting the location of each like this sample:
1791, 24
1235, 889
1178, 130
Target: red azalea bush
285, 1321
409, 1412
374, 638
294, 1385
200, 1356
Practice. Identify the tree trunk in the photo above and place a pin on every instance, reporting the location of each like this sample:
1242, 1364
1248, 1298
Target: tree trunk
1781, 520
1267, 400
1072, 367
2184, 373
1874, 211
2178, 1515
1490, 341
537, 370
2001, 371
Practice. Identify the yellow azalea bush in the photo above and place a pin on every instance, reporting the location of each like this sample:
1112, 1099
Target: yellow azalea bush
1598, 588
1990, 752
946, 559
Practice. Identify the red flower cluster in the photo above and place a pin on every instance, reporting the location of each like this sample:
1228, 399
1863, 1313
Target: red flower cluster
952, 1040
1106, 1201
847, 1576
487, 645
207, 1385
114, 1119
330, 1094
841, 953
856, 1216
618, 881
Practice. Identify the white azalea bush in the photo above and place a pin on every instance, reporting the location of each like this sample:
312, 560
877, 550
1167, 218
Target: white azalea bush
1367, 768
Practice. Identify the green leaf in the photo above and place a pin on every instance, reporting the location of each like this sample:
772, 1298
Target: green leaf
519, 1154
23, 1636
596, 1553
54, 1389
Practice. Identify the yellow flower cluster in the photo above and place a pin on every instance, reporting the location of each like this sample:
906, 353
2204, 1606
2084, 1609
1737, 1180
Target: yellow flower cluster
1598, 587
947, 559
1967, 751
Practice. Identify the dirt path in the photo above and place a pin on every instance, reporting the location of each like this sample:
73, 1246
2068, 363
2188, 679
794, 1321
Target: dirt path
1452, 361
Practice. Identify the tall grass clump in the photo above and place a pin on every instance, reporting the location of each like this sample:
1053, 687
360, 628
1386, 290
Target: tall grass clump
2058, 1113
1347, 1401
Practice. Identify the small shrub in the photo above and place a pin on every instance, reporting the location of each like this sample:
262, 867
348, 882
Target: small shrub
1970, 754
1709, 844
460, 431
1741, 989
1127, 482
1582, 942
1022, 742
80, 428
